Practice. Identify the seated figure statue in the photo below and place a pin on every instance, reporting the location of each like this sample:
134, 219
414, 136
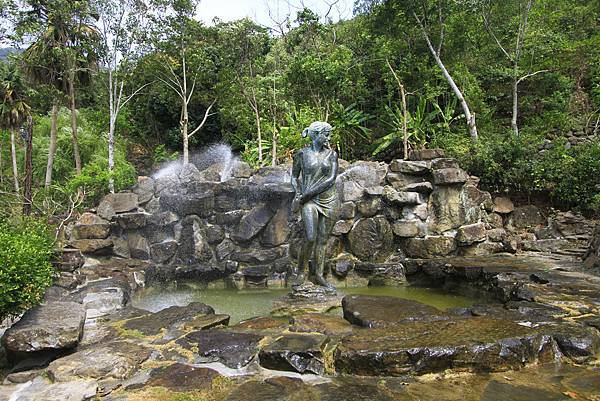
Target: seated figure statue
313, 178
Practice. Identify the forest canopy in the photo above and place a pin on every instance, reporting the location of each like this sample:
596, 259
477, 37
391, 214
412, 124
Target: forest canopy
114, 88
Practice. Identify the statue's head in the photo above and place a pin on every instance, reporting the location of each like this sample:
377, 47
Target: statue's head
319, 132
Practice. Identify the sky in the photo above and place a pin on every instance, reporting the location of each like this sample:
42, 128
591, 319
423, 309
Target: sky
258, 10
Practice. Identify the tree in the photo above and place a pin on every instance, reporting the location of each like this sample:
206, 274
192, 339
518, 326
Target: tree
245, 45
524, 7
63, 52
121, 24
13, 111
436, 53
182, 63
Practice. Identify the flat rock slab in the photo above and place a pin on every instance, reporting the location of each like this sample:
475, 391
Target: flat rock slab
475, 344
497, 391
234, 350
330, 325
303, 353
382, 311
104, 297
169, 318
115, 360
261, 323
287, 306
53, 326
205, 322
181, 378
39, 389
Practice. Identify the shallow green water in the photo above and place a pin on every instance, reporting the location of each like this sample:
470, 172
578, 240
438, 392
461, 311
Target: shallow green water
244, 304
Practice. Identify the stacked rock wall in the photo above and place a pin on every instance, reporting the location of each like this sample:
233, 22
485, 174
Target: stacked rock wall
192, 225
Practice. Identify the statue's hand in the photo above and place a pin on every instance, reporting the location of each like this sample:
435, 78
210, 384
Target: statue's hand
296, 204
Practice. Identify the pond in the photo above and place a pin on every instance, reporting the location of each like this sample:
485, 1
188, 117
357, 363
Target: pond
244, 304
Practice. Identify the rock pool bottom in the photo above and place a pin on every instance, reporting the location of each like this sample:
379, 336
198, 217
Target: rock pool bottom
245, 304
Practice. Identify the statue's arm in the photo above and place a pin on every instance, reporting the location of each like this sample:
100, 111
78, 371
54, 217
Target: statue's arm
325, 184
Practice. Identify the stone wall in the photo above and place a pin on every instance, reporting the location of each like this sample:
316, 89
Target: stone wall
192, 225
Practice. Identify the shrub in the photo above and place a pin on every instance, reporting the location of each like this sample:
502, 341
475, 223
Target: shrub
571, 175
25, 269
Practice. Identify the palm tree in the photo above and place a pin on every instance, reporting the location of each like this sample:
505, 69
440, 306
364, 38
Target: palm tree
13, 110
62, 56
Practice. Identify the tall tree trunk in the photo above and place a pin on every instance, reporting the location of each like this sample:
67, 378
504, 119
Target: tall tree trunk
258, 130
13, 153
28, 167
274, 148
184, 133
52, 148
74, 122
470, 117
111, 154
404, 110
517, 57
515, 105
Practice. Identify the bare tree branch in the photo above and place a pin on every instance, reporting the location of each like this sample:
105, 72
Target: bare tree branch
206, 115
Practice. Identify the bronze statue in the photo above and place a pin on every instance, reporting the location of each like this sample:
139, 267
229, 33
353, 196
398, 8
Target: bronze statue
313, 178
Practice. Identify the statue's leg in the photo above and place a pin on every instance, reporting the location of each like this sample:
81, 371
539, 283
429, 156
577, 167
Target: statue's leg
325, 226
310, 216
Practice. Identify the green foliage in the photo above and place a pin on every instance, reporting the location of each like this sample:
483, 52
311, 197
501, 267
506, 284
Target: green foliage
571, 174
94, 177
25, 269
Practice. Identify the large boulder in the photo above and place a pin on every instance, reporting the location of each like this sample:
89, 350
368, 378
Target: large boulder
302, 353
182, 378
199, 203
401, 180
120, 202
144, 189
429, 247
446, 209
351, 191
104, 297
48, 327
503, 205
573, 225
406, 228
371, 239
369, 207
473, 344
98, 246
409, 167
232, 349
278, 230
138, 246
132, 220
90, 226
526, 217
425, 154
252, 223
170, 318
115, 360
471, 233
401, 198
450, 176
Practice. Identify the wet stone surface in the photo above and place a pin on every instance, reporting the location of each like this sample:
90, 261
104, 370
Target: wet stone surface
234, 350
477, 343
379, 311
181, 378
171, 317
301, 353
